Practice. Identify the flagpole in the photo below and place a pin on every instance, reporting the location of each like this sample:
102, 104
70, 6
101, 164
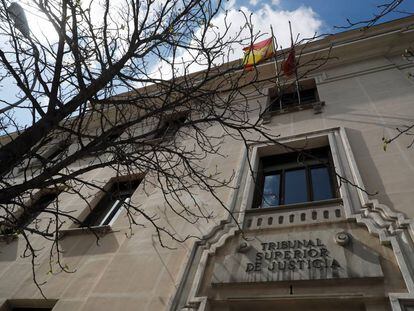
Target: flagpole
296, 69
275, 46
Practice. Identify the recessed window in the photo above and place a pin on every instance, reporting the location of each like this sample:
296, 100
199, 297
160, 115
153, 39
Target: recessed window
295, 178
30, 309
57, 151
113, 136
169, 127
51, 152
287, 97
30, 213
110, 205
28, 305
107, 139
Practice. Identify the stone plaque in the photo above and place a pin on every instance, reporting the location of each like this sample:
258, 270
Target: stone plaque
297, 256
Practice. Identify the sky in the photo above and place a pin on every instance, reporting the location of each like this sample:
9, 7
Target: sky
320, 15
307, 16
330, 12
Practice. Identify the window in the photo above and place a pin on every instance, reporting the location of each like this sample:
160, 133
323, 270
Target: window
31, 212
170, 127
295, 178
108, 139
57, 151
49, 153
28, 305
110, 205
289, 97
30, 309
113, 136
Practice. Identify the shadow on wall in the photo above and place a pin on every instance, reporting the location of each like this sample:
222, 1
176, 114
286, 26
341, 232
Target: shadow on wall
357, 248
8, 250
161, 257
369, 173
87, 244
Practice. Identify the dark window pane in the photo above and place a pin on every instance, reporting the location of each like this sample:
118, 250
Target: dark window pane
30, 309
321, 184
295, 186
271, 190
104, 212
308, 96
169, 128
58, 151
287, 99
110, 204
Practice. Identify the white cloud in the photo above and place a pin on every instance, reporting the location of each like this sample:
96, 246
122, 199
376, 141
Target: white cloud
304, 21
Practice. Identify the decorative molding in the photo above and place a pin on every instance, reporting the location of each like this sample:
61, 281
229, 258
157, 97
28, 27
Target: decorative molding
392, 228
310, 213
209, 245
381, 221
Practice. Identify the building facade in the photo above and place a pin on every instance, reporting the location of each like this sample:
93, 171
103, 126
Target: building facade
332, 230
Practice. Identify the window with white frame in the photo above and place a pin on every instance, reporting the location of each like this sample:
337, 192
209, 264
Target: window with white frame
295, 177
119, 194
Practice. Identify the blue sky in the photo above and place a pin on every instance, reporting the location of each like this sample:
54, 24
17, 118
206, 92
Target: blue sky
333, 12
307, 17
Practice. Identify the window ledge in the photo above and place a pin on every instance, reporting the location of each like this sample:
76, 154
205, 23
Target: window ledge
99, 230
307, 213
262, 210
316, 106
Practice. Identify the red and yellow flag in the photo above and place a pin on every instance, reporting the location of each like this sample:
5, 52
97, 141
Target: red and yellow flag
257, 52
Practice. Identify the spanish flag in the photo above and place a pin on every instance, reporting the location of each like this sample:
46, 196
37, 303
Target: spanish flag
257, 52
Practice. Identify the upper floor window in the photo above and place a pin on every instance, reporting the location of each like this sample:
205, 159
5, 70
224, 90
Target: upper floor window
106, 140
49, 153
30, 309
113, 136
30, 213
57, 151
295, 178
169, 127
109, 206
28, 305
293, 97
